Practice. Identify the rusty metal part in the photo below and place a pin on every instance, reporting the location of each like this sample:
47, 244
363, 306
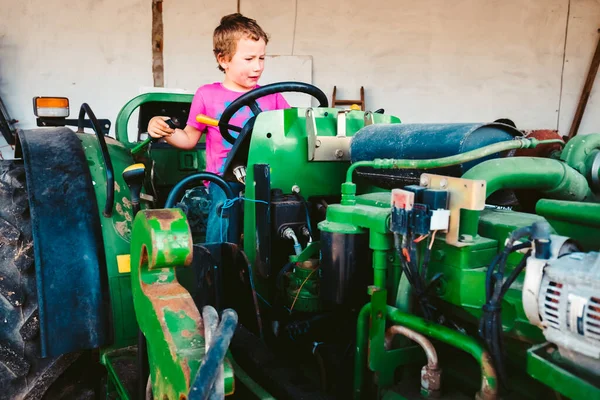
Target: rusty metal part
543, 150
488, 389
431, 374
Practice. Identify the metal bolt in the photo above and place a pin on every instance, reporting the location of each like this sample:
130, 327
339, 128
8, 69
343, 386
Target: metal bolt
339, 153
424, 181
295, 189
318, 143
444, 183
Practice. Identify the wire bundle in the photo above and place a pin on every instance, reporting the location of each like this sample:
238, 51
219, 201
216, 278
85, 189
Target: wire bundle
490, 325
416, 273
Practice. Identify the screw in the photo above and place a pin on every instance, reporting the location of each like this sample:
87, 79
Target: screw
295, 189
444, 183
424, 181
339, 153
318, 143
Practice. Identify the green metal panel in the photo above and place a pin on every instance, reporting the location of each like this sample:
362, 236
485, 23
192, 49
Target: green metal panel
116, 232
279, 139
128, 109
542, 366
580, 221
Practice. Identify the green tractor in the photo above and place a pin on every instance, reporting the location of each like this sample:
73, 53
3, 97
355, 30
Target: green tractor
364, 258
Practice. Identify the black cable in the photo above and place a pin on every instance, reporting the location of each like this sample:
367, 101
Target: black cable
416, 278
490, 325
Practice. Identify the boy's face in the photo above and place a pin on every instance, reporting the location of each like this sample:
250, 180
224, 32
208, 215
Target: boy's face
244, 69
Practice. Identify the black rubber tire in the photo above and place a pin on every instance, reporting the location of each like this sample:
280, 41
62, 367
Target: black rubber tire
22, 373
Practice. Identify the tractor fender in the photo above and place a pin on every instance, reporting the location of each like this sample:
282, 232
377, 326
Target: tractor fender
71, 279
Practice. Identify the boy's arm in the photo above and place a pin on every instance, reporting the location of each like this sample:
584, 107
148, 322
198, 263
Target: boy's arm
185, 138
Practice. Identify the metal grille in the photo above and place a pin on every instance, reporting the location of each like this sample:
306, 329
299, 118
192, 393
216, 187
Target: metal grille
592, 319
551, 304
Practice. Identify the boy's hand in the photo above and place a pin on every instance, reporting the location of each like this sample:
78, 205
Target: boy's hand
158, 128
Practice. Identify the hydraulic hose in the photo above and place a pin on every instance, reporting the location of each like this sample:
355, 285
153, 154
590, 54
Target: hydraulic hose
552, 177
388, 163
178, 189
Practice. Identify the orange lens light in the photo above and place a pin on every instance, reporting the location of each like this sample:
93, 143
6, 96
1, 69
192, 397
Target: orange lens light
51, 106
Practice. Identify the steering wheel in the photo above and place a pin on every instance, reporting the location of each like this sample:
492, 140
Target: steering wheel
249, 99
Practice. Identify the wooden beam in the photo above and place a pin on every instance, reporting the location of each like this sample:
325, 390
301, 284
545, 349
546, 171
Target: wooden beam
158, 68
587, 90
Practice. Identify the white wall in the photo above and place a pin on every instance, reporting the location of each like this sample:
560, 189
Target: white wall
425, 61
91, 51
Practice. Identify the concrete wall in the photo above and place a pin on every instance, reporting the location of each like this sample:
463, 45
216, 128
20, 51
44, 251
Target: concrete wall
425, 61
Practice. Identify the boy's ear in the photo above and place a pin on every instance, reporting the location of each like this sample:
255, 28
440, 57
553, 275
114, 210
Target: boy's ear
223, 61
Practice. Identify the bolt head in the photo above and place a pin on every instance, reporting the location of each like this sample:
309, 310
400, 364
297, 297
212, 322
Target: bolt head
318, 143
339, 153
424, 181
296, 189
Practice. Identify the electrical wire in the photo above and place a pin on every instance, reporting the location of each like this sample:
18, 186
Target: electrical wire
300, 288
490, 324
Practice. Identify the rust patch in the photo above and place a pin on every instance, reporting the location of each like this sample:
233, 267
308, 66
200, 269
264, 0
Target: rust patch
173, 296
164, 217
122, 228
187, 334
489, 380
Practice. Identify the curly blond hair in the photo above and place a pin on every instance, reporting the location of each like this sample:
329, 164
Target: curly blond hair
232, 28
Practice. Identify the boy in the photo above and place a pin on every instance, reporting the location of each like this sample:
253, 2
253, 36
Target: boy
239, 48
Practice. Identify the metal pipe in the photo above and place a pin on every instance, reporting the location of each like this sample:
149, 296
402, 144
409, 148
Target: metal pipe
554, 178
461, 158
489, 381
362, 348
432, 358
431, 374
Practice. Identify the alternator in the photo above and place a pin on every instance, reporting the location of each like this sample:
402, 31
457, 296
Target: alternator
569, 307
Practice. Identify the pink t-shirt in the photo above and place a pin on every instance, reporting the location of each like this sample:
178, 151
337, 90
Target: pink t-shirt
211, 100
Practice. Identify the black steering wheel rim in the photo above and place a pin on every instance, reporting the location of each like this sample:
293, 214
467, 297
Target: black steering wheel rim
249, 99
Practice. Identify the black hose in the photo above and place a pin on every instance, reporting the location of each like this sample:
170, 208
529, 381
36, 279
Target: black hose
209, 368
490, 324
178, 189
108, 167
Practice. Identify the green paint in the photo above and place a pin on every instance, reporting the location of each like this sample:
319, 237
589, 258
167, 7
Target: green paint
542, 365
164, 309
580, 221
116, 232
554, 178
128, 109
279, 139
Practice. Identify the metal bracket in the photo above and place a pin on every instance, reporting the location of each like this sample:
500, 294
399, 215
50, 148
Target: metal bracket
327, 148
465, 194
